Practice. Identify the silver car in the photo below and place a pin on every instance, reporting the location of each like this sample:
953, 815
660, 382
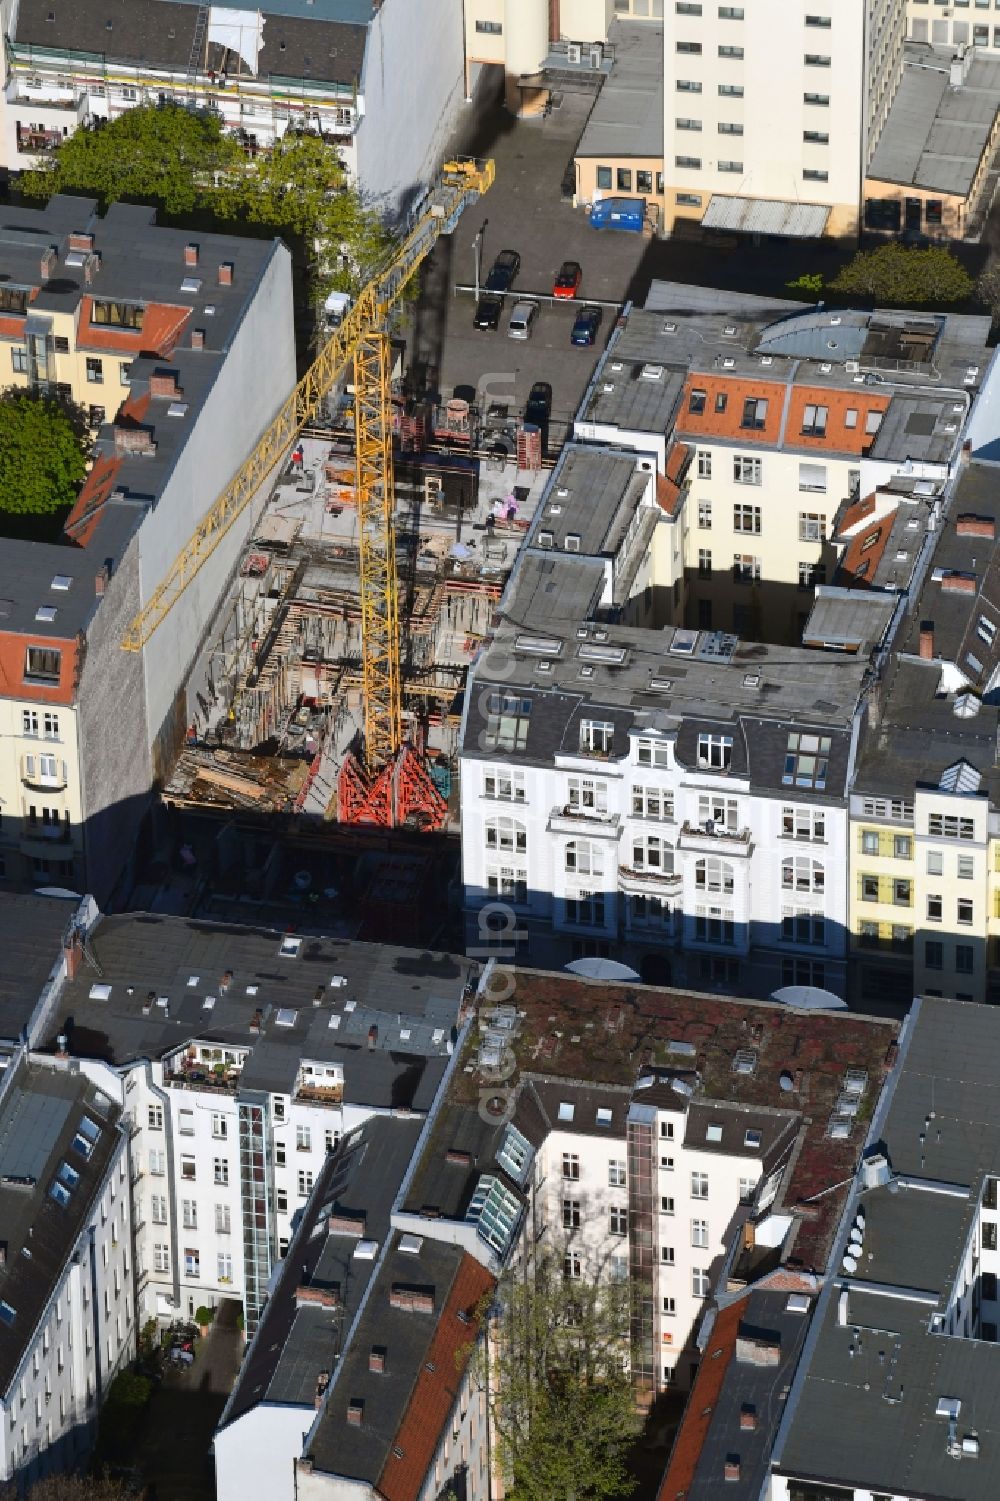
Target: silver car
521, 319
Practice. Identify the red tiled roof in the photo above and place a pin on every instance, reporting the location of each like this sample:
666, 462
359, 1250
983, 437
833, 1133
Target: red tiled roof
864, 554
82, 519
855, 513
668, 486
691, 1435
162, 325
710, 423
779, 429
12, 327
437, 1386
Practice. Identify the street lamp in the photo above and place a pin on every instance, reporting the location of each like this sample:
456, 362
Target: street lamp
477, 246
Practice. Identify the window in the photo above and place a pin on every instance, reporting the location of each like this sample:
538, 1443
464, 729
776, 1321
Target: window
669, 1307
688, 163
811, 526
704, 562
29, 722
816, 60
652, 753
933, 953
728, 166
192, 1262
965, 911
721, 812
506, 722
489, 28
157, 1162
224, 1265
747, 471
188, 1168
618, 1221
503, 785
161, 1258
806, 760
651, 853
989, 1235
873, 421
189, 1214
585, 909
902, 893
222, 1219
696, 401
220, 1126
820, 100
584, 795
604, 178
730, 13
699, 1185
705, 469
281, 1201
694, 48
805, 875
221, 1169
814, 421
699, 1282
944, 826
823, 21
798, 925
803, 823
713, 874
572, 1266
731, 52
95, 371
964, 958
571, 1214
616, 1173
571, 1166
683, 122
699, 1233
279, 1154
116, 314
19, 360
687, 86
584, 857
501, 834
185, 1122
667, 1255
666, 1204
158, 1209
155, 1117
814, 174
934, 908
305, 1182
902, 847
715, 752
754, 409
43, 663
746, 568
596, 737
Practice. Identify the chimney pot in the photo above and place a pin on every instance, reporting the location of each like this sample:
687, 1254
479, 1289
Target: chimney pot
927, 640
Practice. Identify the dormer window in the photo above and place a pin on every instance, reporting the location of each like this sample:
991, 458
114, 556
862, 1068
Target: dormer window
596, 737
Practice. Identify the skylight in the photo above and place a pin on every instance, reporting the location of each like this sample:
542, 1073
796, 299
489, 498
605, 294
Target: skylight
566, 1110
515, 1155
752, 1139
285, 1017
495, 1212
713, 1132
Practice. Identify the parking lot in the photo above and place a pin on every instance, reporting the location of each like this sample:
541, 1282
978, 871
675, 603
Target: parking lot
524, 211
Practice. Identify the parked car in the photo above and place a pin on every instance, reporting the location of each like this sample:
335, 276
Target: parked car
522, 319
588, 321
488, 310
538, 407
568, 279
504, 270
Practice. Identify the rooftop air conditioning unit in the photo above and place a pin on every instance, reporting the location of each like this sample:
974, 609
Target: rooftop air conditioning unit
852, 367
574, 52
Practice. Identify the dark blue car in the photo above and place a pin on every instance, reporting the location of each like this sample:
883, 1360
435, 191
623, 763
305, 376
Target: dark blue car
588, 321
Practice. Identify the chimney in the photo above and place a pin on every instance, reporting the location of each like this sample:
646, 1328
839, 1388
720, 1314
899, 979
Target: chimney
322, 1382
164, 383
48, 264
758, 1349
410, 1299
927, 640
225, 273
62, 1046
78, 240
748, 1418
317, 1297
732, 1467
460, 1158
73, 954
372, 1037
257, 1020
376, 1360
346, 1224
197, 338
102, 579
976, 526
190, 255
91, 266
959, 583
226, 981
355, 1412
133, 440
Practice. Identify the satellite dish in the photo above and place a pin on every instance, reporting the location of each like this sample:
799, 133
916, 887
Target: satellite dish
809, 998
62, 892
601, 969
859, 1219
849, 1264
785, 1080
856, 1237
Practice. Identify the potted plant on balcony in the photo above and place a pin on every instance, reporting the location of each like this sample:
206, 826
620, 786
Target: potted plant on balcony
203, 1318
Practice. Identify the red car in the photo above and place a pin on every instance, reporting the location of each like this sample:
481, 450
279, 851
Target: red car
567, 282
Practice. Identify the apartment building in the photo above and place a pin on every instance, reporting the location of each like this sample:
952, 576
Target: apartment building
241, 1059
924, 825
67, 1298
770, 112
159, 336
349, 70
893, 1392
957, 23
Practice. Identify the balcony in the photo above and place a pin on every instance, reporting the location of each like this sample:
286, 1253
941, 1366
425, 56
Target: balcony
189, 1073
652, 882
571, 820
709, 838
44, 771
48, 842
320, 1094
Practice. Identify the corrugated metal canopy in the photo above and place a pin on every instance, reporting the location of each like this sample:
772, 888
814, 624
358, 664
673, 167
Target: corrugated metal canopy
799, 221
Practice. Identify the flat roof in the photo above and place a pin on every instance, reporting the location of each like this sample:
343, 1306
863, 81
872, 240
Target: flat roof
387, 1013
41, 1108
848, 619
31, 934
935, 134
864, 1407
326, 44
793, 220
627, 117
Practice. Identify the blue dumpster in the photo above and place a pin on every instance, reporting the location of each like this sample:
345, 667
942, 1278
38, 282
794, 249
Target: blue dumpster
619, 213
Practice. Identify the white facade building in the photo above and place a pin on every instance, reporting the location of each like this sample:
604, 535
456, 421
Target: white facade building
67, 1299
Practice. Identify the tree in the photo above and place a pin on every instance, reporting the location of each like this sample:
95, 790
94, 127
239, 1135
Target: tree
73, 1488
555, 1369
184, 162
988, 286
43, 448
901, 276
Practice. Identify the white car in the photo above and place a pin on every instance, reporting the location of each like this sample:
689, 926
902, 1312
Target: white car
521, 320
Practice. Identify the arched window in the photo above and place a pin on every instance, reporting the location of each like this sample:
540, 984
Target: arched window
799, 873
650, 852
583, 858
506, 834
713, 874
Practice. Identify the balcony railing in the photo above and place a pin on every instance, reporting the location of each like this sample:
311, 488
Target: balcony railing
194, 1075
320, 1094
572, 820
710, 837
633, 874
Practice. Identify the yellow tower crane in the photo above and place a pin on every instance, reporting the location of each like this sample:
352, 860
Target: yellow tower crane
363, 338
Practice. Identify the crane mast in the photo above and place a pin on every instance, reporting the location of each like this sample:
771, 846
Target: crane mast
377, 791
